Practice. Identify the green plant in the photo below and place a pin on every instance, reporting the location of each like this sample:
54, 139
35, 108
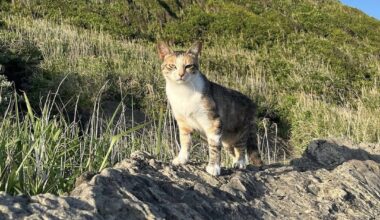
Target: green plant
5, 92
312, 67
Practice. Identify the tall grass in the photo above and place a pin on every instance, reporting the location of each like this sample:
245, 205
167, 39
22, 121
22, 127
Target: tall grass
46, 152
43, 149
313, 118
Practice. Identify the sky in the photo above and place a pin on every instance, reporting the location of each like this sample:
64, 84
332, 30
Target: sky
370, 7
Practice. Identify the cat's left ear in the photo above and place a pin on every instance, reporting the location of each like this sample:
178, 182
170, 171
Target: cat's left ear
163, 49
196, 48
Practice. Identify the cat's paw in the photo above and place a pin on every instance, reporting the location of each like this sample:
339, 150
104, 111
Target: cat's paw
213, 169
240, 164
180, 159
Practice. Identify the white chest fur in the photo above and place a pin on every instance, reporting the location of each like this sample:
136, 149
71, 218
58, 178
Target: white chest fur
186, 100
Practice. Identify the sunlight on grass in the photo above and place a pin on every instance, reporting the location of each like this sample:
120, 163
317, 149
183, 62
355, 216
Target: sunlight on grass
45, 143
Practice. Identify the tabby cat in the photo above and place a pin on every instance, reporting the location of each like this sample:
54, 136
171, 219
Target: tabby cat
223, 116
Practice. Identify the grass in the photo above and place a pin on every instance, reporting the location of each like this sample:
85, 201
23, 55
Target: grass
82, 79
46, 152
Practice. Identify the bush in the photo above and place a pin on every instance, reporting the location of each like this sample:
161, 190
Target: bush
19, 60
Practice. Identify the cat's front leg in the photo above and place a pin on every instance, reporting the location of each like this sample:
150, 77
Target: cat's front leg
214, 149
185, 141
213, 134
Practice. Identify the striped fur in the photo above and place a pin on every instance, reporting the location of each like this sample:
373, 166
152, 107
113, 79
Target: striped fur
223, 116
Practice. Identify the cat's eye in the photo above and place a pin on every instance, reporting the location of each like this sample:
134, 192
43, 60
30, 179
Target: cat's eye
190, 66
171, 67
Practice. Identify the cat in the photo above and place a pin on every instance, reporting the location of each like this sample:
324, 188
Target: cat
223, 116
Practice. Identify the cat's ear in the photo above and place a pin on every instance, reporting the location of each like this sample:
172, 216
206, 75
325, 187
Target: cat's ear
196, 48
163, 49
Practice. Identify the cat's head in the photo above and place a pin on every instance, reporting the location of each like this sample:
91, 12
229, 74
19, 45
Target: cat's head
179, 66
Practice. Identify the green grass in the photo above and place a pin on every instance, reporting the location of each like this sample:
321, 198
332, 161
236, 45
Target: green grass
312, 68
45, 152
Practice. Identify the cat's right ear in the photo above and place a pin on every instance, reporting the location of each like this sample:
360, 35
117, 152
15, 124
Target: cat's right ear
196, 48
163, 50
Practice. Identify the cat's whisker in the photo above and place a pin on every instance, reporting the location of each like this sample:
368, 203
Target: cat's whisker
220, 114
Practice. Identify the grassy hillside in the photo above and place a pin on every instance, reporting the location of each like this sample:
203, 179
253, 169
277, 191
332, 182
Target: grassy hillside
312, 66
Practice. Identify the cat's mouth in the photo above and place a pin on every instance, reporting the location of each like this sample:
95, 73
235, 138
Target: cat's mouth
181, 79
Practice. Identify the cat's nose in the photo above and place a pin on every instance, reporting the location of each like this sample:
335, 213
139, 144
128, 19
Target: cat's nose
181, 74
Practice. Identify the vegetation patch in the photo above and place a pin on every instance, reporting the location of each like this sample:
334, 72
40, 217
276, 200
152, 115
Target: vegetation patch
312, 67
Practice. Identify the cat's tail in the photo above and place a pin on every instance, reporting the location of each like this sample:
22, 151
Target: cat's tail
252, 144
253, 150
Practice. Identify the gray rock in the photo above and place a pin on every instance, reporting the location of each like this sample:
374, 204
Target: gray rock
333, 180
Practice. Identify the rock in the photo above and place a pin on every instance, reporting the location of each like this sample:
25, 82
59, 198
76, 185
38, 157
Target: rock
332, 180
84, 177
45, 206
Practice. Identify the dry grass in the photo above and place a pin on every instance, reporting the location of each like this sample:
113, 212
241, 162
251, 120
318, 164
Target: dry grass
44, 152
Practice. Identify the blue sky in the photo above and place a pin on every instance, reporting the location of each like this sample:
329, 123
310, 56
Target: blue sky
370, 7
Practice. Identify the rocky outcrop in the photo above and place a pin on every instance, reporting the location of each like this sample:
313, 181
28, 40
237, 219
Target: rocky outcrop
333, 180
